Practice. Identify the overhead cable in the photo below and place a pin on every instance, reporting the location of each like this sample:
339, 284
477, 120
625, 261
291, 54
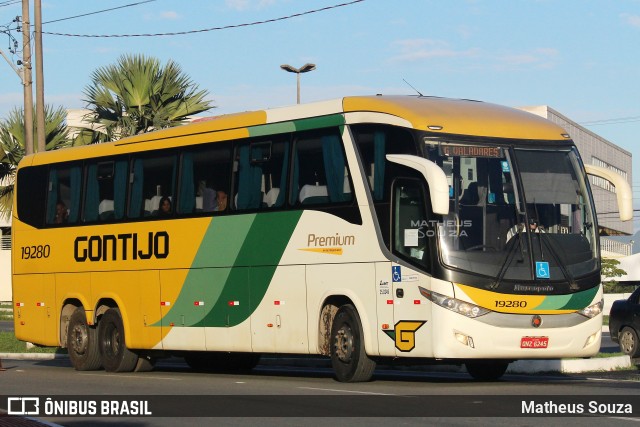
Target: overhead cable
226, 27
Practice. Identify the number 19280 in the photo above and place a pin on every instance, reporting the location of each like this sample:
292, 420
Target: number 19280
36, 252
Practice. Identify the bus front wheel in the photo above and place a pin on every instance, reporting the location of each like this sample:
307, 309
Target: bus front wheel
348, 357
486, 371
116, 357
82, 343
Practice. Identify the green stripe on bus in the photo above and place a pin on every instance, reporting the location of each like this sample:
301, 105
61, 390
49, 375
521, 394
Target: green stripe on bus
581, 300
220, 276
297, 125
576, 301
319, 122
272, 129
247, 286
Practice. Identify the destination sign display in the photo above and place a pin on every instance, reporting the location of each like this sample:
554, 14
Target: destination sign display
457, 150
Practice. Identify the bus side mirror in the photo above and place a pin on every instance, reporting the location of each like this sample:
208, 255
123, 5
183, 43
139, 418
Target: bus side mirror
433, 174
623, 189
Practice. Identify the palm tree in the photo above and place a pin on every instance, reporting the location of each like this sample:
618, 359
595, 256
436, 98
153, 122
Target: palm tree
138, 95
12, 146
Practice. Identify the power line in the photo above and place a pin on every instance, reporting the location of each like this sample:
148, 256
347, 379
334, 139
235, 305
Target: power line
226, 27
615, 121
99, 11
9, 2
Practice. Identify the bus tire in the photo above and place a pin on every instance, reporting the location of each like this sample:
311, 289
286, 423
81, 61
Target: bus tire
82, 343
348, 357
486, 371
116, 357
628, 340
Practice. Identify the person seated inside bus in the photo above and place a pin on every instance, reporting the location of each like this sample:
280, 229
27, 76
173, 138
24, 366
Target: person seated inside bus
208, 195
520, 228
62, 214
221, 200
165, 208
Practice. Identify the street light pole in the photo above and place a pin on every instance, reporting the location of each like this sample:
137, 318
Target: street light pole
304, 69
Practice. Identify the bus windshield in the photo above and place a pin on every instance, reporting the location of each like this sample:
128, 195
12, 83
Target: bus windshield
516, 214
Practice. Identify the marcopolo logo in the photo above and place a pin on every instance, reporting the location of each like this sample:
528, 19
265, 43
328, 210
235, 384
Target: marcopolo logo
116, 247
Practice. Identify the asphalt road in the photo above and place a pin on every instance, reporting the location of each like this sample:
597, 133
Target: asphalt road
277, 396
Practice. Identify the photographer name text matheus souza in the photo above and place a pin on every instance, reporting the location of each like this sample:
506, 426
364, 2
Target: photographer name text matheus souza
592, 407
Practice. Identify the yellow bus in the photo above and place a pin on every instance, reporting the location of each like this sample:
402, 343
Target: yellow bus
363, 229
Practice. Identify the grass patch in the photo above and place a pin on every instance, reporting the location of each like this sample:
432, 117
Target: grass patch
10, 344
6, 316
603, 355
605, 320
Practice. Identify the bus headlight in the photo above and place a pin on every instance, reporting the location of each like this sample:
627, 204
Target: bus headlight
455, 305
593, 310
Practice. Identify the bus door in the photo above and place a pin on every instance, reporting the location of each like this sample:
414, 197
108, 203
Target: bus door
412, 231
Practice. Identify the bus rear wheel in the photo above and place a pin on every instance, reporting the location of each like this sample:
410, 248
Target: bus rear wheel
486, 371
116, 357
82, 343
348, 357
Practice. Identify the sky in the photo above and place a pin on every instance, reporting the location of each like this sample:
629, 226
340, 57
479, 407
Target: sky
580, 57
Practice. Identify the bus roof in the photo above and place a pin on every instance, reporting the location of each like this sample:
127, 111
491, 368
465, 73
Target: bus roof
437, 115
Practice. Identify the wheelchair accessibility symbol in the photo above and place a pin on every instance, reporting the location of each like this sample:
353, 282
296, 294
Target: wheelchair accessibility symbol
396, 273
542, 270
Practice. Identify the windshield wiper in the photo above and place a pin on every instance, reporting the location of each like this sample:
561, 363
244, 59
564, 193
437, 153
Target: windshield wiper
507, 261
542, 235
565, 271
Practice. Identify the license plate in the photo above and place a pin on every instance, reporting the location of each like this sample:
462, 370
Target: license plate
534, 342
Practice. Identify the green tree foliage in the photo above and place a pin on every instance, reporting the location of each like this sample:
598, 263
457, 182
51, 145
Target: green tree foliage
138, 95
12, 146
609, 272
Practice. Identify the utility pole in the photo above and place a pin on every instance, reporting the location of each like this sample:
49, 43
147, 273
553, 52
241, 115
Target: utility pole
40, 126
26, 78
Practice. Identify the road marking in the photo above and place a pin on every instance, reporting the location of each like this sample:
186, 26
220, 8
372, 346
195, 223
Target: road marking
347, 391
626, 419
612, 380
137, 377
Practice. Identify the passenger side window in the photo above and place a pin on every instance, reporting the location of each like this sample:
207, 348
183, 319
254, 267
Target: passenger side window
64, 194
260, 173
320, 172
151, 180
374, 143
105, 191
204, 179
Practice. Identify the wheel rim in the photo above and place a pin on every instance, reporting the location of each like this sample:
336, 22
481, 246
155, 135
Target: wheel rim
79, 339
344, 344
113, 341
627, 342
